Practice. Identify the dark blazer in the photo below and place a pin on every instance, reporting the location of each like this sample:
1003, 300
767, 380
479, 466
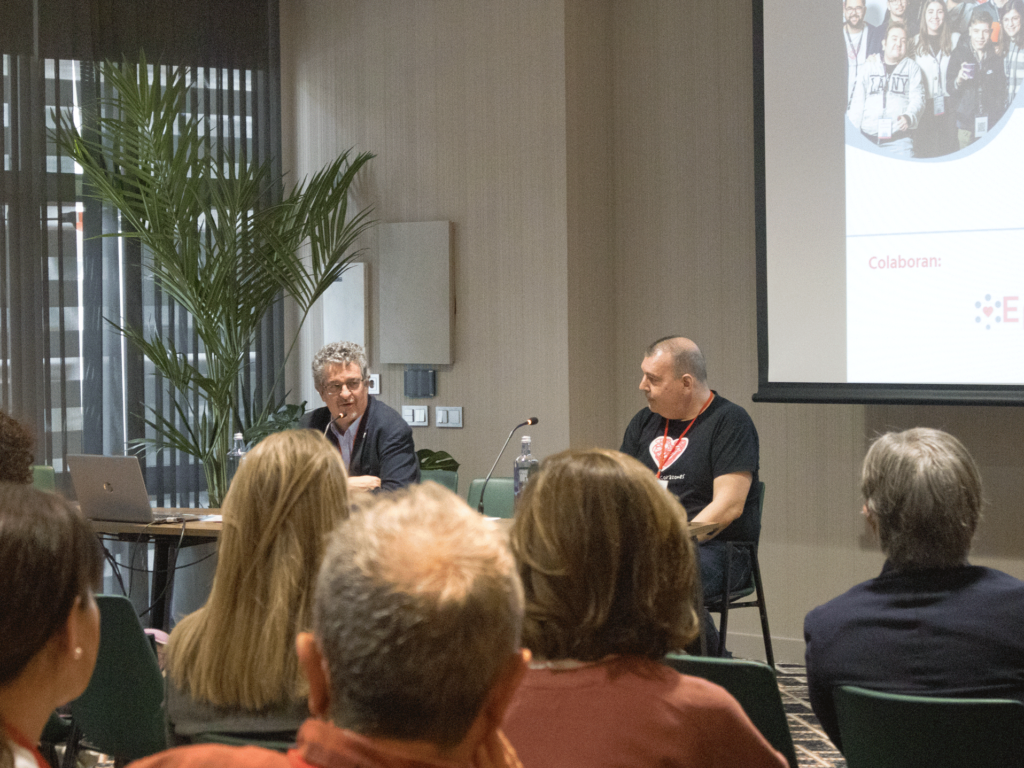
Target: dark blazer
383, 446
942, 632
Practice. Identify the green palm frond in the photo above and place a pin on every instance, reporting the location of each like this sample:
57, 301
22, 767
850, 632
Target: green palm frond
213, 242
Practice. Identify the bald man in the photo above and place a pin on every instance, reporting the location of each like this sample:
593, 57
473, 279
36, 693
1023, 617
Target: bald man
704, 449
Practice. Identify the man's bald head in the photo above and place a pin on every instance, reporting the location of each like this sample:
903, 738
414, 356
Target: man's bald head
685, 354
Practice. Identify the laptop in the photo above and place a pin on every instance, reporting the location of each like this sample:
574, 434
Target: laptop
112, 488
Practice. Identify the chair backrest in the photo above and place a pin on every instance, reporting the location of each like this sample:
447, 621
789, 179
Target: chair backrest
121, 713
754, 686
44, 478
446, 477
889, 730
500, 500
760, 510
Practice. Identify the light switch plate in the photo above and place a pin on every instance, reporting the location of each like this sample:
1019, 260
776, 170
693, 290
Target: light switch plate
374, 384
448, 416
415, 415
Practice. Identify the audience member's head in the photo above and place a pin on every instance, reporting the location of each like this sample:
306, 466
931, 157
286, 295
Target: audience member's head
288, 494
50, 564
416, 633
15, 451
607, 566
922, 493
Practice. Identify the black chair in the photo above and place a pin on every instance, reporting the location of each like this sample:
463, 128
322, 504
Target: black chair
754, 586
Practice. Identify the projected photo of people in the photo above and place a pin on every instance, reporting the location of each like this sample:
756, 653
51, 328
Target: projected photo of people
932, 77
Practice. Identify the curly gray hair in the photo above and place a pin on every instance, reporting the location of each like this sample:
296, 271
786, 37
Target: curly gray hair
338, 353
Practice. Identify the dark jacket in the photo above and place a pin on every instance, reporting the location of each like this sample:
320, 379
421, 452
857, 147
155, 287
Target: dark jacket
985, 94
939, 632
383, 446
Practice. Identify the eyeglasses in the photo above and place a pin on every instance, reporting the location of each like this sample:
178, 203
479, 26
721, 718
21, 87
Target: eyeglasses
335, 387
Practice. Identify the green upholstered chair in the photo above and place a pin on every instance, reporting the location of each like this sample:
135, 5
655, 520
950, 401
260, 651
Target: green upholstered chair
121, 713
500, 500
737, 594
44, 478
889, 730
753, 685
446, 477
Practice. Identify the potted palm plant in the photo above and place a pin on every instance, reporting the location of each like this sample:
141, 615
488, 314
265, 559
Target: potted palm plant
215, 241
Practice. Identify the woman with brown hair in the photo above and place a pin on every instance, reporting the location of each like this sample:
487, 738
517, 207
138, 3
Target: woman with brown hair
608, 572
50, 565
232, 665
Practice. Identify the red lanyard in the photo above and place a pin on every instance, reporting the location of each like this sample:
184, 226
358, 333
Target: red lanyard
17, 737
661, 453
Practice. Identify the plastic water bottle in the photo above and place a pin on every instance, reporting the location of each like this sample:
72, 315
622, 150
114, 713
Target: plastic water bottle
235, 456
525, 466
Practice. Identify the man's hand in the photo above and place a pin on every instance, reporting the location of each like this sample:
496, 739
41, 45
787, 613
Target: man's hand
496, 752
363, 483
902, 124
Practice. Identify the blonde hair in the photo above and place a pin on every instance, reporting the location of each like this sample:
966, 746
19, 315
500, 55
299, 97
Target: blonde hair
606, 563
238, 650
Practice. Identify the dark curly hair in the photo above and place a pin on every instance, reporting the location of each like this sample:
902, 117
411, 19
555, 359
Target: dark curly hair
15, 451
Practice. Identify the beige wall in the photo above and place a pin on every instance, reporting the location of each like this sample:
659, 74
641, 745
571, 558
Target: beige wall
597, 161
464, 105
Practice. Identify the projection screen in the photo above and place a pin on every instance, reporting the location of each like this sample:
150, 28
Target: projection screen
890, 210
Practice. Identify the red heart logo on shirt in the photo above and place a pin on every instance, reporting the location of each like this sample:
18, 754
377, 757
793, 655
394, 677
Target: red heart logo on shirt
664, 453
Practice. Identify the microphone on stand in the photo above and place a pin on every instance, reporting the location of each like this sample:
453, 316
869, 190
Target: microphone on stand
327, 428
527, 423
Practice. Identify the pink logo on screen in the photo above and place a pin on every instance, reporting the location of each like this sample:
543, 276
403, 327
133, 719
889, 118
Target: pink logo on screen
664, 454
989, 312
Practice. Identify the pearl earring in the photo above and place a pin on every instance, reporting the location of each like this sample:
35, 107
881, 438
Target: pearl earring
78, 653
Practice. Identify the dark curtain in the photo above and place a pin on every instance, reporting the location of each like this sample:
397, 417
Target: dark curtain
63, 367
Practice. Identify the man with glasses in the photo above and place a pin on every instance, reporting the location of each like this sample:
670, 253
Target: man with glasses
374, 440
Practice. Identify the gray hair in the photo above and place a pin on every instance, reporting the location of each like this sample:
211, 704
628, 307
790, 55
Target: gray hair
923, 490
418, 607
686, 356
338, 353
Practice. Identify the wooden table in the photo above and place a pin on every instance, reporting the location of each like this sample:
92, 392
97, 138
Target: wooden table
163, 536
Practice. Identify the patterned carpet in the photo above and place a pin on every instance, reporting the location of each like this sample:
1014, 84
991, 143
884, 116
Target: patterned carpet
813, 747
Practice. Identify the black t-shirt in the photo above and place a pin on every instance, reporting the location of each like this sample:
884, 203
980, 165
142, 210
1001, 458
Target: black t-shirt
723, 440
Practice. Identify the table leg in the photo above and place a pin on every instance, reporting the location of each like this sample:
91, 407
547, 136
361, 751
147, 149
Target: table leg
163, 565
